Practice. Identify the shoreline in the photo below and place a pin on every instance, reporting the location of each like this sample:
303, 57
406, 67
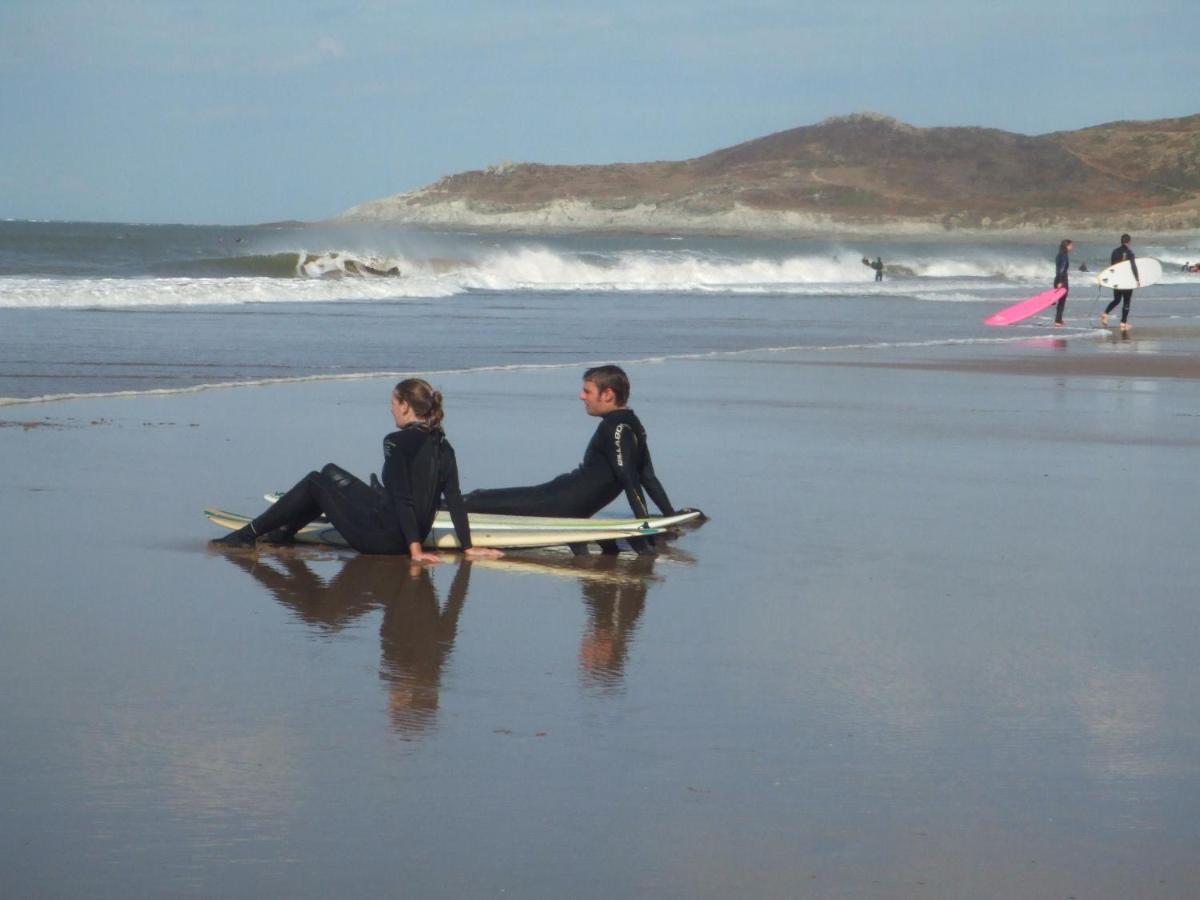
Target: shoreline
1106, 357
579, 217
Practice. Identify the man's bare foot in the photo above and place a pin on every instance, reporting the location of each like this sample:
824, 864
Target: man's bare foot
1124, 326
483, 553
1104, 320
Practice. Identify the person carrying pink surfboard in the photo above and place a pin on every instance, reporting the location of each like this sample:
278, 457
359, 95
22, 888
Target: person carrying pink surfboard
1062, 266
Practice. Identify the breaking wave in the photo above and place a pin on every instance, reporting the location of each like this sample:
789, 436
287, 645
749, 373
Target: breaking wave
303, 276
119, 293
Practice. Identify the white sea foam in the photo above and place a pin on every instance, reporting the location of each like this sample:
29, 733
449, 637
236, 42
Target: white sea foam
1008, 269
539, 268
337, 275
534, 268
341, 263
117, 293
1173, 272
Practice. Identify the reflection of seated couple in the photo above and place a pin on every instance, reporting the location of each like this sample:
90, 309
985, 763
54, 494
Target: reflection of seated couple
417, 632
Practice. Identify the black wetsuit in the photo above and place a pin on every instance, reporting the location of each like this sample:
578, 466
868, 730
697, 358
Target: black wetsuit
617, 459
1123, 295
1062, 269
419, 468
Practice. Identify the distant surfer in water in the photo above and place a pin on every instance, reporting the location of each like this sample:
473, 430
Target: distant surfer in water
419, 470
1062, 268
1122, 296
877, 265
616, 459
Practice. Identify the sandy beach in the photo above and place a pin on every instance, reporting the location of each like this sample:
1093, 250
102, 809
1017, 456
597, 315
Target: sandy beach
937, 640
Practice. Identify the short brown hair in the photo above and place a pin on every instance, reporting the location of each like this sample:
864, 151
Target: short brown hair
610, 378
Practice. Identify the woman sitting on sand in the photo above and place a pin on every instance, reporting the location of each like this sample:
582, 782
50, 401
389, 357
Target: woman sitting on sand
419, 469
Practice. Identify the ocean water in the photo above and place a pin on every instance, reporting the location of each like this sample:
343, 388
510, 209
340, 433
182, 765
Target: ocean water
88, 308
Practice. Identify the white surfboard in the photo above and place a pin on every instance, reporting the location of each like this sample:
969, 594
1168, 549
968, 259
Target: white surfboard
500, 522
1120, 276
442, 536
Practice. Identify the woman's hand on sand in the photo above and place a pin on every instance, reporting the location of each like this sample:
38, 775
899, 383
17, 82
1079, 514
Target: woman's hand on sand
421, 556
483, 553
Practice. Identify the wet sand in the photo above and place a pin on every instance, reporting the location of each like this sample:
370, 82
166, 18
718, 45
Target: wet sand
937, 640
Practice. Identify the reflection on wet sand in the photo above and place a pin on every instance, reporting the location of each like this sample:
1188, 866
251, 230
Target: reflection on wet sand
417, 632
614, 608
614, 593
416, 638
327, 606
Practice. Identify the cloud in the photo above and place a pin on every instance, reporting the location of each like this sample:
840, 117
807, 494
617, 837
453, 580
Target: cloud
325, 50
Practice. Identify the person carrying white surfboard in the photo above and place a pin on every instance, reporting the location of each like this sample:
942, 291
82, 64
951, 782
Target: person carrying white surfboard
1122, 296
1062, 269
419, 470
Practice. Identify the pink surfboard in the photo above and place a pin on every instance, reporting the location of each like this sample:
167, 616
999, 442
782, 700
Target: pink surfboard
1018, 312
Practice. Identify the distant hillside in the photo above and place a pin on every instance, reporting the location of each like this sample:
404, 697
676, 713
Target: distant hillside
861, 173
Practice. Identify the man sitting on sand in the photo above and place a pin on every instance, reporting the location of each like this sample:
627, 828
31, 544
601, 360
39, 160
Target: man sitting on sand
617, 459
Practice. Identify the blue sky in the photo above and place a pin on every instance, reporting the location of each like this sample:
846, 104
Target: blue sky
237, 112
